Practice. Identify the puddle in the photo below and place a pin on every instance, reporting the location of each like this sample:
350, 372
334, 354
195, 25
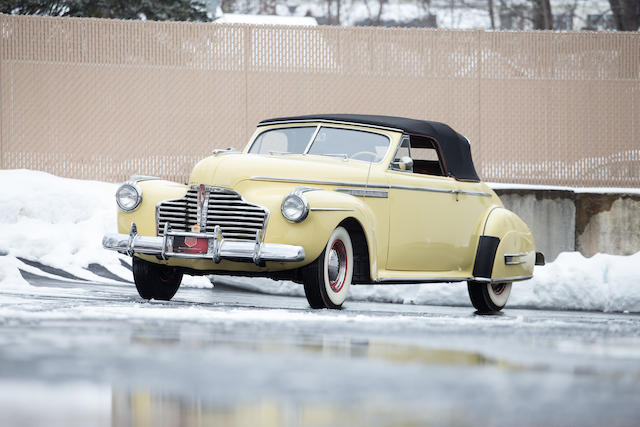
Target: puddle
143, 408
333, 346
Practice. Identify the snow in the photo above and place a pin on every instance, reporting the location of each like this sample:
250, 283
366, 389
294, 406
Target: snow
608, 283
463, 15
399, 11
60, 222
237, 18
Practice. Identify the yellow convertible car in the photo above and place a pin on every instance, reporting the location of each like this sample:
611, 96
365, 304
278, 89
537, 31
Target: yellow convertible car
329, 201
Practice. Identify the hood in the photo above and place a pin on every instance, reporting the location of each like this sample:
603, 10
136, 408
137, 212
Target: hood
228, 170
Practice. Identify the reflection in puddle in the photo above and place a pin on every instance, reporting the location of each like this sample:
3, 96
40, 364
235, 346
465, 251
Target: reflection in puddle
142, 409
274, 406
331, 346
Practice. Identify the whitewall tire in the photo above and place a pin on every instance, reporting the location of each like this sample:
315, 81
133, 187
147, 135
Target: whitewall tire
327, 280
488, 297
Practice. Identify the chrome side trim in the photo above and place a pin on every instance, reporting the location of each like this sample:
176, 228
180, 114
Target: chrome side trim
331, 209
362, 185
428, 189
440, 190
473, 193
317, 182
138, 178
450, 279
511, 279
422, 279
511, 259
384, 194
302, 189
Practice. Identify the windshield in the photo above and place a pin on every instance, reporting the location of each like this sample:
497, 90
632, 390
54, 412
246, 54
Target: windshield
352, 144
329, 141
283, 140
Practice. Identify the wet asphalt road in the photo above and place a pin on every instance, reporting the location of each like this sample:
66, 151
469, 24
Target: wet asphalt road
85, 353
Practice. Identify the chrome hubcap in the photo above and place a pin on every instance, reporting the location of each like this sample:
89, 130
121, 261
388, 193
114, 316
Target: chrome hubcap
337, 266
498, 289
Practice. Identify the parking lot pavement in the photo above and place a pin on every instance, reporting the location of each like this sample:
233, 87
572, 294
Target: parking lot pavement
75, 352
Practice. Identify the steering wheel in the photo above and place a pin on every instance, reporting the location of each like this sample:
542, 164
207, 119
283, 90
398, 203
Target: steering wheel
362, 153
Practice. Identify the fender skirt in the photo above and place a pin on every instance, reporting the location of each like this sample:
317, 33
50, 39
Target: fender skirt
486, 254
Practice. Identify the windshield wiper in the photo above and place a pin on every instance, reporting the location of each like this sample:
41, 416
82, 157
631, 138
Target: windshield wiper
281, 153
344, 156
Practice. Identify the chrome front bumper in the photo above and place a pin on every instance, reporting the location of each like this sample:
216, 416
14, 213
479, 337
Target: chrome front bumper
218, 248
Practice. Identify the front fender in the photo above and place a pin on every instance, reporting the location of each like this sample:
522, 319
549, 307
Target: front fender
327, 210
351, 207
516, 241
153, 192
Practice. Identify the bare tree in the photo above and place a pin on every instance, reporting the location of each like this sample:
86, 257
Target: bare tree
491, 15
626, 14
536, 12
334, 18
375, 20
542, 16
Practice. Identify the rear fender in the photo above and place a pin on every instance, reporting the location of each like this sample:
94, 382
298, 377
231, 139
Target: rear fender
515, 252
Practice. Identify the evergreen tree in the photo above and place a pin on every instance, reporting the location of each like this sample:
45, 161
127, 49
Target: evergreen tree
157, 10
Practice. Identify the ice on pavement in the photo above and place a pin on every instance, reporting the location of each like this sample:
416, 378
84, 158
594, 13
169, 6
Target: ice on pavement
60, 222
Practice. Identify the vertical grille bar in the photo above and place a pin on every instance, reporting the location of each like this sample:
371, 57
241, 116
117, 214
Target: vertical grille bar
237, 218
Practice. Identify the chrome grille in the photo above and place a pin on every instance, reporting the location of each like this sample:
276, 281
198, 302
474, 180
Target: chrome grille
237, 218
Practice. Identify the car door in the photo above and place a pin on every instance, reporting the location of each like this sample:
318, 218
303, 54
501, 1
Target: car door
423, 213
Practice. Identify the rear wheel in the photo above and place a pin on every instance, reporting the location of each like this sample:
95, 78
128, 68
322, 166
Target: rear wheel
327, 280
155, 281
488, 297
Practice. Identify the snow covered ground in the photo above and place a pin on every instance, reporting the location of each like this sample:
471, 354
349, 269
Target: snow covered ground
59, 222
450, 14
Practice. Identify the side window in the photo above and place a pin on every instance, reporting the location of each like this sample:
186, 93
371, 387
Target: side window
425, 157
404, 150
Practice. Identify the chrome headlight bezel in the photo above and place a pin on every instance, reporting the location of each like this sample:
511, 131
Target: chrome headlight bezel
136, 195
302, 204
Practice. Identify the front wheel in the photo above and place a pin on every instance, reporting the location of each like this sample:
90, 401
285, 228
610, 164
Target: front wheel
328, 278
155, 281
488, 297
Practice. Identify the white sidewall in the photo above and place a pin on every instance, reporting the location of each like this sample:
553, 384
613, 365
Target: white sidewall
499, 300
338, 297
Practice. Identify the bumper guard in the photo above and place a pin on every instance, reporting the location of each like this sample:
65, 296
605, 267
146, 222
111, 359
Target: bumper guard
218, 248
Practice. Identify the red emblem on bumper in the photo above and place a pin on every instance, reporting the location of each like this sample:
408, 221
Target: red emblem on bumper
190, 241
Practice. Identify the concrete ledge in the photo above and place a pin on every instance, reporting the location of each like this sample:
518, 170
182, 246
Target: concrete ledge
589, 222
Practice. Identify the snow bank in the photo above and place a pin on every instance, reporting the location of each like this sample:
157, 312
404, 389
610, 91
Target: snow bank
607, 283
60, 222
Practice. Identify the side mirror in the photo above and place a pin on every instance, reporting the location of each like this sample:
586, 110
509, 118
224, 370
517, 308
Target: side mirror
404, 164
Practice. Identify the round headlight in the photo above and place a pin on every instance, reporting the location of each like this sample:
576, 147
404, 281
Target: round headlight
295, 207
128, 196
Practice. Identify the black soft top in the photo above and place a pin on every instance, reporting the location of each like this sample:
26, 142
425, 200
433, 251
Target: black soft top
455, 148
